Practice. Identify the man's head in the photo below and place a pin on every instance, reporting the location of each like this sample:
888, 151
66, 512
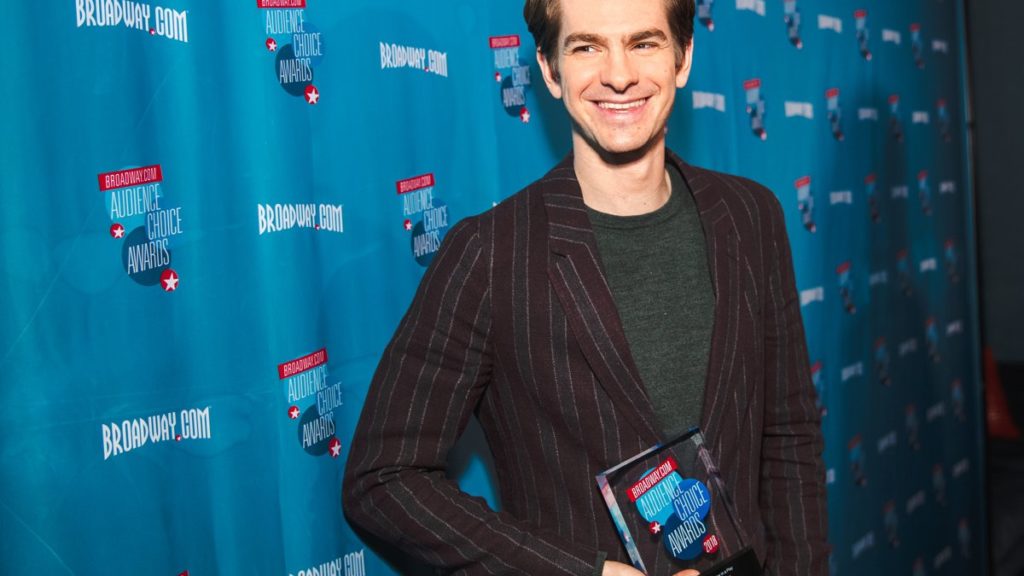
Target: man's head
543, 19
616, 65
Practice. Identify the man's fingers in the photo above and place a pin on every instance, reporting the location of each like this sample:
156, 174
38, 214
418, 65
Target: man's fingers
612, 568
687, 573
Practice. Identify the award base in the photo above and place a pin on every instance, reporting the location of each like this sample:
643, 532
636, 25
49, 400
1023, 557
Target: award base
742, 563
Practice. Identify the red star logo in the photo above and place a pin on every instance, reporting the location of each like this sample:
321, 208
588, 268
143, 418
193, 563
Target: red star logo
524, 115
407, 224
497, 77
152, 31
293, 412
335, 447
116, 230
177, 437
169, 280
312, 94
654, 527
271, 45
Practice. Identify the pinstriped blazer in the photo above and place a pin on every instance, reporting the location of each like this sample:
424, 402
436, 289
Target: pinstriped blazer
514, 321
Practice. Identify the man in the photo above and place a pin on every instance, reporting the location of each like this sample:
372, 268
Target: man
619, 300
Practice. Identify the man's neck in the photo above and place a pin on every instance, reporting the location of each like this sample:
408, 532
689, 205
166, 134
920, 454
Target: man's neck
638, 186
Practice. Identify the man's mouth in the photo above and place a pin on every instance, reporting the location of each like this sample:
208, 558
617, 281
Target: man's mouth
619, 106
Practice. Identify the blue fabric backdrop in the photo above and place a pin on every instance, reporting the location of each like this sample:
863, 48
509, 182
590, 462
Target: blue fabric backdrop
214, 215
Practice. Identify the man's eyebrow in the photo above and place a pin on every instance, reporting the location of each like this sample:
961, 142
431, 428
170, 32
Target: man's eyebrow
584, 37
652, 34
590, 38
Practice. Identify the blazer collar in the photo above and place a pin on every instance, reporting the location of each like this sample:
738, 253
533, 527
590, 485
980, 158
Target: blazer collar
576, 273
564, 199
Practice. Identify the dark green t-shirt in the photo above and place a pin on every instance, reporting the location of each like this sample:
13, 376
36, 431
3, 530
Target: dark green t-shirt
657, 268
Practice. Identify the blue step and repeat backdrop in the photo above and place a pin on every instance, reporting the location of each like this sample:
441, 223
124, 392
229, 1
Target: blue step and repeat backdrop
214, 215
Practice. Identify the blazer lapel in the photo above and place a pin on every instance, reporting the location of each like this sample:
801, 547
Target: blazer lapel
575, 272
723, 262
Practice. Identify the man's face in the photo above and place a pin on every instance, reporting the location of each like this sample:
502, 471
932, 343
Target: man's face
617, 73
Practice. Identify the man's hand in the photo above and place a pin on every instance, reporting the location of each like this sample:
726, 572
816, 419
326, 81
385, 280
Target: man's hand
612, 568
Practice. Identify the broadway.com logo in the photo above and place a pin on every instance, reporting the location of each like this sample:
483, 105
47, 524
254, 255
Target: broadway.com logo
132, 434
158, 21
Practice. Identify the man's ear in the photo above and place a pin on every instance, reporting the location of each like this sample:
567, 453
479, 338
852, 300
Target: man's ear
683, 73
554, 86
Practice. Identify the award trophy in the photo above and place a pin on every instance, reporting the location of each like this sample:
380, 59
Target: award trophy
673, 512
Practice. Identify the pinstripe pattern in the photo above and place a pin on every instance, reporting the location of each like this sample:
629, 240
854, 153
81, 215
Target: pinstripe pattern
514, 320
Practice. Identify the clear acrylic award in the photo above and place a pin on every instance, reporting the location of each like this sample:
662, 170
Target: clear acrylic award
673, 512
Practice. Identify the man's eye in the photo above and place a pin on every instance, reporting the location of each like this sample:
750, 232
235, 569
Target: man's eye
646, 45
584, 48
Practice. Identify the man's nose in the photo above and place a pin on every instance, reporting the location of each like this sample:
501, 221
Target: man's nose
619, 71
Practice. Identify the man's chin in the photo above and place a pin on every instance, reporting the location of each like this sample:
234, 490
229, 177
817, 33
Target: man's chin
618, 153
621, 150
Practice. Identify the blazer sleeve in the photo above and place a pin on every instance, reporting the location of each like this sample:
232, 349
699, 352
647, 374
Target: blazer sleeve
428, 382
792, 488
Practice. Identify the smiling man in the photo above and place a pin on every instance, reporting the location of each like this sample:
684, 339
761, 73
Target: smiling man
621, 299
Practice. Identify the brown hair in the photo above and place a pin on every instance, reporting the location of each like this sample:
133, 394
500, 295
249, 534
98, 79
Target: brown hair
543, 19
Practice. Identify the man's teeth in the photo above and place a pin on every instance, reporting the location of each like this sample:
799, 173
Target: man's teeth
622, 105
